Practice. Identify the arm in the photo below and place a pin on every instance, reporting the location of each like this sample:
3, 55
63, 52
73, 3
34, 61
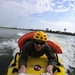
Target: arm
49, 69
22, 69
23, 60
24, 56
51, 57
52, 61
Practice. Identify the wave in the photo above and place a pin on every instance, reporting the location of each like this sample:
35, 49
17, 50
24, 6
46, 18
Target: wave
10, 46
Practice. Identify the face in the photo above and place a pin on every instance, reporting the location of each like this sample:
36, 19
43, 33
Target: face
39, 45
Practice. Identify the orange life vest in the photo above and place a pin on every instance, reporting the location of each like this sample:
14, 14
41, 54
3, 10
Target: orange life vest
29, 36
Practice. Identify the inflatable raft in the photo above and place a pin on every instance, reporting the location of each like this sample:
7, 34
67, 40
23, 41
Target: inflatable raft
36, 65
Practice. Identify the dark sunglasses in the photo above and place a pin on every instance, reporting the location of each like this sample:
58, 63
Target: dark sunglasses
39, 42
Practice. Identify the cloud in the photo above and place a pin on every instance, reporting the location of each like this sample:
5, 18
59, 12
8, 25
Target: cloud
58, 25
63, 5
21, 12
27, 7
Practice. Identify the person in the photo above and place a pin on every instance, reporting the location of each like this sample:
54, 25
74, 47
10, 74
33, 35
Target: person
36, 48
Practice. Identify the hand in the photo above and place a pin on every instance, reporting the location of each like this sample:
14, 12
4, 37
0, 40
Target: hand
49, 69
22, 69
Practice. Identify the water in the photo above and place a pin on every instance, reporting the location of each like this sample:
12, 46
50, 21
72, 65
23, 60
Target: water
9, 47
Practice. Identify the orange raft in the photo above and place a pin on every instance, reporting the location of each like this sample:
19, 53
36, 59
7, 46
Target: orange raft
29, 36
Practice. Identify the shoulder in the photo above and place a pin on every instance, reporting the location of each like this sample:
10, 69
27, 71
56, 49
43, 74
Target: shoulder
47, 47
29, 43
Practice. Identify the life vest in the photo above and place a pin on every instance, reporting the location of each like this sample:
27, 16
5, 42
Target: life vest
29, 36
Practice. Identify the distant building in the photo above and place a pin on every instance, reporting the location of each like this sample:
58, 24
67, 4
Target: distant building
65, 30
47, 29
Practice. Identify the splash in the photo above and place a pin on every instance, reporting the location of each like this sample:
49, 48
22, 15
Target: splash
68, 46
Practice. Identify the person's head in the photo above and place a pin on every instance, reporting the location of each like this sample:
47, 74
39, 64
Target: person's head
40, 38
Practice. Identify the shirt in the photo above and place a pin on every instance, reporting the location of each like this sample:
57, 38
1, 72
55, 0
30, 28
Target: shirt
29, 50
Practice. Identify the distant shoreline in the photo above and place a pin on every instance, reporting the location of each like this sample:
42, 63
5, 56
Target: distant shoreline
48, 31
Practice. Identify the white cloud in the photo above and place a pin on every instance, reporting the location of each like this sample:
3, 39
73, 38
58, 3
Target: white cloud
74, 19
25, 7
21, 11
63, 5
58, 25
36, 6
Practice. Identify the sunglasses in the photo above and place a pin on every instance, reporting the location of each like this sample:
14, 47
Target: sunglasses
39, 42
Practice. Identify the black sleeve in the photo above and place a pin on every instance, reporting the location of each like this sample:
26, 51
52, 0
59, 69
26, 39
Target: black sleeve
51, 57
24, 56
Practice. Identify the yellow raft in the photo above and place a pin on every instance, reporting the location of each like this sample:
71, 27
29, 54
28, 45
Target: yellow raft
35, 66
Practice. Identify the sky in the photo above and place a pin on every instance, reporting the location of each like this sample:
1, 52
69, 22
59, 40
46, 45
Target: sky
55, 15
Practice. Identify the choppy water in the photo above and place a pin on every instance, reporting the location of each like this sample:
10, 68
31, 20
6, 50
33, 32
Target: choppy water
9, 47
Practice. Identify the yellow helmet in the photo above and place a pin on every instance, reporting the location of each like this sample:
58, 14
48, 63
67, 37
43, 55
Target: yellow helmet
40, 35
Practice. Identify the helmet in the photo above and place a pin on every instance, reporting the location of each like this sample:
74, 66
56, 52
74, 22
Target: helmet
40, 35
